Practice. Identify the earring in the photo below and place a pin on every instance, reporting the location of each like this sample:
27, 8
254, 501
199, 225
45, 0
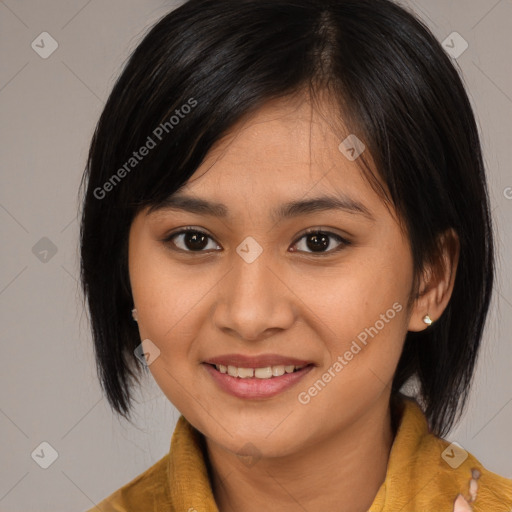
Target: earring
134, 314
427, 319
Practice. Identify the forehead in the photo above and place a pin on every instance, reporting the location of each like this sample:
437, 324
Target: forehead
287, 148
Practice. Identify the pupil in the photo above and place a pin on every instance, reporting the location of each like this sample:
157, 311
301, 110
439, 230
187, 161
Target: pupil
319, 241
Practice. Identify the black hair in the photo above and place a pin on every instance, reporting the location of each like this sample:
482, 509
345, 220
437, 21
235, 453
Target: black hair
206, 65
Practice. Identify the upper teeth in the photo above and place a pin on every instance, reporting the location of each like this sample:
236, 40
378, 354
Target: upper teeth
260, 373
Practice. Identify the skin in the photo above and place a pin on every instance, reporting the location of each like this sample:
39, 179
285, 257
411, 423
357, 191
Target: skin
309, 305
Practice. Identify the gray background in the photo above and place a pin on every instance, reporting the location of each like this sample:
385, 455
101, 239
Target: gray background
48, 109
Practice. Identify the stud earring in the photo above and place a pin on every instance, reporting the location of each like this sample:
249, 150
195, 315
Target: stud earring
427, 319
134, 314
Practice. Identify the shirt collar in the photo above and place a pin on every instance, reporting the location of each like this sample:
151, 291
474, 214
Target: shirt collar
190, 484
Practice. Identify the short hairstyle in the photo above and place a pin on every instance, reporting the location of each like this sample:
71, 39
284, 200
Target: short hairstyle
207, 64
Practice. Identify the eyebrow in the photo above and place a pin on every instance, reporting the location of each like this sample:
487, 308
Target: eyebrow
285, 211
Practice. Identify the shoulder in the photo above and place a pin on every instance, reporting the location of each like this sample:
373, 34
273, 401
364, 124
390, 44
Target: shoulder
459, 471
438, 470
147, 491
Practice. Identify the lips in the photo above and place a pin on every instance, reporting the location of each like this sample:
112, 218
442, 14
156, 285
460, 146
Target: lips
256, 377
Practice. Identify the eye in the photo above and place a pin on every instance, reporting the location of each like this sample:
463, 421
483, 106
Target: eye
190, 240
318, 241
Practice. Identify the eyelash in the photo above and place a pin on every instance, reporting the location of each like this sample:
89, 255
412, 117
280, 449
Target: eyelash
343, 242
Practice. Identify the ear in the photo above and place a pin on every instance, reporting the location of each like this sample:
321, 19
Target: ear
436, 283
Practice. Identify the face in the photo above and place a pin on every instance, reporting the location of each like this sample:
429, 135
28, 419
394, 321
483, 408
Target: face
304, 307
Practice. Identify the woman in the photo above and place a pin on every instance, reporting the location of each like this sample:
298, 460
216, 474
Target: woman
286, 220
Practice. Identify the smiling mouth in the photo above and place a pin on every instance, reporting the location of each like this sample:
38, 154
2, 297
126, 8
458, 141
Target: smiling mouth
253, 380
265, 372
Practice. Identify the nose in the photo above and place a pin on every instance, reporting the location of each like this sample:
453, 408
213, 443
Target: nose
254, 301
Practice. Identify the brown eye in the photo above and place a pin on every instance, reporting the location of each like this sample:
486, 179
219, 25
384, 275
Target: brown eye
191, 240
319, 241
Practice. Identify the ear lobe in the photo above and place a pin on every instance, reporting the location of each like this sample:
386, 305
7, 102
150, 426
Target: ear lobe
436, 283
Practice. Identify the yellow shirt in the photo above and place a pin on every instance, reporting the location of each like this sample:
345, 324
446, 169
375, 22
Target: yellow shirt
419, 477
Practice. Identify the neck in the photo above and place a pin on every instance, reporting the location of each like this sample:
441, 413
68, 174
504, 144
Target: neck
347, 468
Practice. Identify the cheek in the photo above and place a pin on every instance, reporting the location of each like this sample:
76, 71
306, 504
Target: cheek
168, 303
361, 314
168, 299
156, 290
352, 297
174, 308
